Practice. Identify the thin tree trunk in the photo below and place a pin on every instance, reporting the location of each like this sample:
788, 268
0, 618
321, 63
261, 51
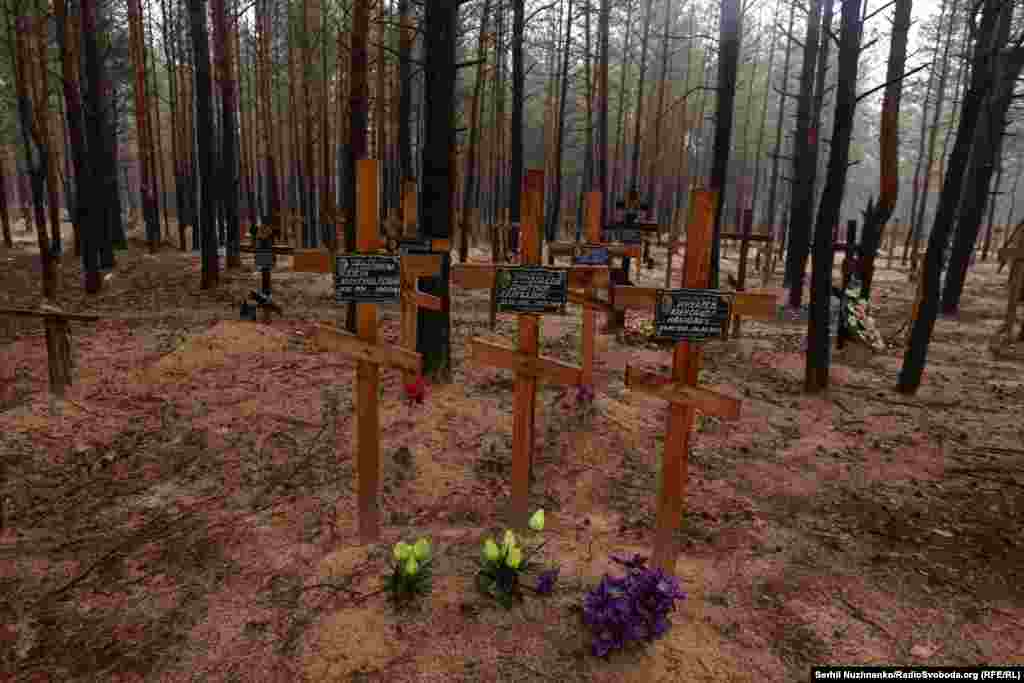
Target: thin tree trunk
229, 146
816, 377
471, 176
556, 203
142, 137
728, 64
620, 128
68, 36
603, 23
771, 211
992, 204
764, 115
204, 120
985, 157
358, 111
980, 84
804, 163
940, 96
875, 217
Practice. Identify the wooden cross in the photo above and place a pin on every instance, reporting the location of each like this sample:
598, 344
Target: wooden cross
741, 275
525, 360
682, 393
58, 335
1015, 257
369, 353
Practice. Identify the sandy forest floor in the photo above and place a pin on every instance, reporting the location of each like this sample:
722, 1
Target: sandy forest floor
190, 516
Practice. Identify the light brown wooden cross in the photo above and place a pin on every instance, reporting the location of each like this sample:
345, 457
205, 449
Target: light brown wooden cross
681, 389
524, 360
1014, 256
370, 354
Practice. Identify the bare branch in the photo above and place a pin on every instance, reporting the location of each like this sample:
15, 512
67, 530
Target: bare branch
880, 9
895, 80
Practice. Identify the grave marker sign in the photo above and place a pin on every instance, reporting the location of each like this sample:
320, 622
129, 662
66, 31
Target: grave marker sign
531, 290
693, 315
367, 279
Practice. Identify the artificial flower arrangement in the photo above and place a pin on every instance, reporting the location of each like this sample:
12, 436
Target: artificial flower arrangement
411, 573
502, 566
859, 321
630, 608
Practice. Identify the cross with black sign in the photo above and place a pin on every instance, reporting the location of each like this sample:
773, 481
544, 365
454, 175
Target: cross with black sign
530, 291
368, 279
688, 316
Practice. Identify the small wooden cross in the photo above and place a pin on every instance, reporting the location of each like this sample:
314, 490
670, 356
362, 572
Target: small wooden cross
681, 389
525, 360
369, 353
58, 340
745, 238
1014, 256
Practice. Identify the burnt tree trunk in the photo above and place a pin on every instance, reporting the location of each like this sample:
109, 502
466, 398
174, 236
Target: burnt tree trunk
728, 64
805, 161
985, 158
879, 214
979, 86
435, 207
816, 377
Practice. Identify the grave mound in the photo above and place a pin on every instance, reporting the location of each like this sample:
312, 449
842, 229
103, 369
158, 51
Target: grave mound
214, 347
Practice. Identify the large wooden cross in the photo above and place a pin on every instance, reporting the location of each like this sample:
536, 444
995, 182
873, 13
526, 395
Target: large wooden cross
681, 390
525, 360
370, 354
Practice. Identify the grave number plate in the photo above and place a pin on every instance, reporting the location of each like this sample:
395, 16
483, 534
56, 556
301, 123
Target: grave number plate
593, 256
693, 315
531, 290
264, 259
367, 279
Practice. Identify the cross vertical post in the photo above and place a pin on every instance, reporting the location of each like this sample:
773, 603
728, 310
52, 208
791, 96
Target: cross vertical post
685, 367
368, 379
529, 343
592, 218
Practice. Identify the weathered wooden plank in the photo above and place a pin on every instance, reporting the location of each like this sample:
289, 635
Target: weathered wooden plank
43, 313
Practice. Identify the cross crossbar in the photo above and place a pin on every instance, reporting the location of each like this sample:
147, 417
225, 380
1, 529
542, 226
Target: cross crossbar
330, 338
679, 393
543, 369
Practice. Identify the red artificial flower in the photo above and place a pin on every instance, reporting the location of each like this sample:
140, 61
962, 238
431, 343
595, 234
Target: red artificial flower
417, 391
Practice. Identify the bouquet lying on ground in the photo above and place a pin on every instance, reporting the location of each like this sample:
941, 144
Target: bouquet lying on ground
630, 608
859, 321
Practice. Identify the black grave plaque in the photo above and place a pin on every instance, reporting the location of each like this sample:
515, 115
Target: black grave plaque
693, 315
529, 289
367, 279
